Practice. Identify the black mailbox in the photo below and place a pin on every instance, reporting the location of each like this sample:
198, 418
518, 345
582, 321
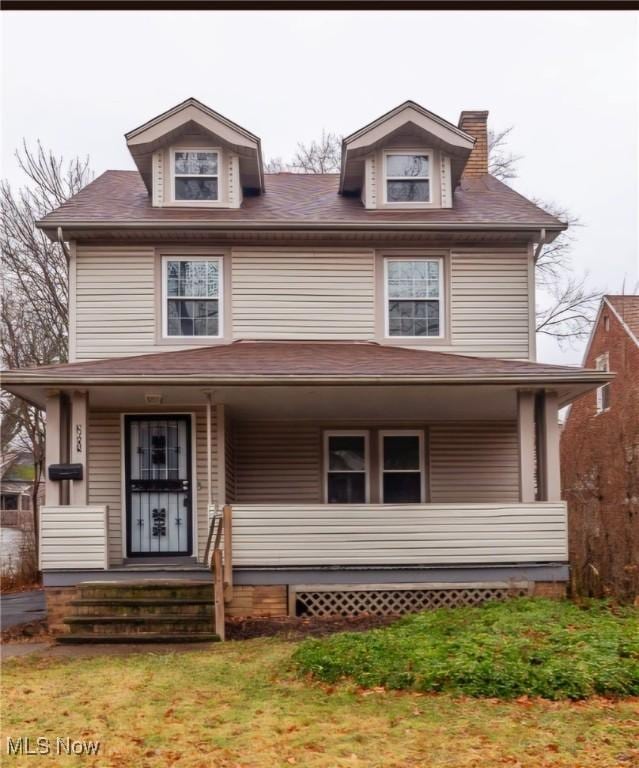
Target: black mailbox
65, 471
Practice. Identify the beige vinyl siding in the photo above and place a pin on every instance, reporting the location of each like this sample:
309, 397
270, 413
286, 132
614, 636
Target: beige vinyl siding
277, 462
474, 462
490, 303
303, 295
106, 475
408, 534
229, 461
115, 302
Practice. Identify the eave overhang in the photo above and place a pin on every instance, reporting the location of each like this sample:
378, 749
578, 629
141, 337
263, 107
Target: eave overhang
33, 387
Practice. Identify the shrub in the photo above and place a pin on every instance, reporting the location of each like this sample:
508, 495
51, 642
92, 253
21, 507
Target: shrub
534, 647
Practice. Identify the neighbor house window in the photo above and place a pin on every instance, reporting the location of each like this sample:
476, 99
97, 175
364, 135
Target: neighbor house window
407, 178
195, 175
192, 296
414, 297
602, 363
402, 467
346, 467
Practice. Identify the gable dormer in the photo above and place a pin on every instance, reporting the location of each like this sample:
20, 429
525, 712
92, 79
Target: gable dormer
191, 156
407, 159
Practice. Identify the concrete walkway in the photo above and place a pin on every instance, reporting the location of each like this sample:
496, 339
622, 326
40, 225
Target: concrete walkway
53, 651
21, 608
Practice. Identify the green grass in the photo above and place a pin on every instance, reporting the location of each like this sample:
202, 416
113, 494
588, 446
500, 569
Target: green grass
241, 705
525, 647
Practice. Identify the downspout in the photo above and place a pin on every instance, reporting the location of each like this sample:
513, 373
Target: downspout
63, 245
540, 244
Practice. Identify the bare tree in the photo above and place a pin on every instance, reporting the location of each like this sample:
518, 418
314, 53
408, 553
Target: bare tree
502, 164
34, 309
569, 304
275, 165
323, 156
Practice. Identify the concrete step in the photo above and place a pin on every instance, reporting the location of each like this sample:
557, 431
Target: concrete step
140, 637
144, 606
162, 623
165, 589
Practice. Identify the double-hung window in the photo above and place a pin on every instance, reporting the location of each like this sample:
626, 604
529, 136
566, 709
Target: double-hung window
602, 363
346, 462
192, 294
195, 175
402, 467
407, 178
414, 297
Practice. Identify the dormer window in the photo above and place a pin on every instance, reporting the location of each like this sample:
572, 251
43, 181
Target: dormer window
407, 177
195, 175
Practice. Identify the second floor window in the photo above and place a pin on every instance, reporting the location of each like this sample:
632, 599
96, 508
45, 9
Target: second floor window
407, 178
414, 300
602, 363
192, 291
195, 175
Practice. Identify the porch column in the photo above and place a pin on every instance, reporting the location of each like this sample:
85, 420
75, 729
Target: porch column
526, 437
548, 447
53, 447
220, 424
78, 450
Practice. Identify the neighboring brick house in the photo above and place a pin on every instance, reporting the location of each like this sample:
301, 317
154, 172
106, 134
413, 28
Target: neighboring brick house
600, 459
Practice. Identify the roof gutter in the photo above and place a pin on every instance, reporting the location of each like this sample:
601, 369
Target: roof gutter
300, 225
25, 379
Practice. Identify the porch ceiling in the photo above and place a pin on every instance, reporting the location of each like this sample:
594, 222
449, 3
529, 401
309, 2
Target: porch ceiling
407, 402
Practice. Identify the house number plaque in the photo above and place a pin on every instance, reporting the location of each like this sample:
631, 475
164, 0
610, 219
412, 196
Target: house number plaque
78, 438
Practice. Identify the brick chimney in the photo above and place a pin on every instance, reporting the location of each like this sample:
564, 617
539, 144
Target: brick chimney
475, 123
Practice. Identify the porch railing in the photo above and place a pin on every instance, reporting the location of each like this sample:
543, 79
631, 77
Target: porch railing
74, 537
398, 534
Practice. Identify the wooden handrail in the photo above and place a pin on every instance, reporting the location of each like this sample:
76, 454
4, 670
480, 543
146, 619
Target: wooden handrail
221, 564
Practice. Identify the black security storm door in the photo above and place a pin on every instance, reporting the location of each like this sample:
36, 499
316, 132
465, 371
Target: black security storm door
158, 485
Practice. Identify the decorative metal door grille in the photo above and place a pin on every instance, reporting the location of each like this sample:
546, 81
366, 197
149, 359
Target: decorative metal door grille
384, 602
158, 485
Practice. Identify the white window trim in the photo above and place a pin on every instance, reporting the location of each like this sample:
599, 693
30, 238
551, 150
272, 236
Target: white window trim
218, 176
442, 314
416, 203
165, 297
419, 433
365, 433
604, 359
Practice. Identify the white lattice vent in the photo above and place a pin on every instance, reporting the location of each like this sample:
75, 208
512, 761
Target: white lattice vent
382, 600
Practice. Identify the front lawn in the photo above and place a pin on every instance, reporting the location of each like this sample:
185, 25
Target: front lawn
524, 647
242, 705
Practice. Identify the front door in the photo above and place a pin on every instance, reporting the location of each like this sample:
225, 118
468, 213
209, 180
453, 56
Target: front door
158, 485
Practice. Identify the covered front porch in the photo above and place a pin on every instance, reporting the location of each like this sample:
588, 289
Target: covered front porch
332, 479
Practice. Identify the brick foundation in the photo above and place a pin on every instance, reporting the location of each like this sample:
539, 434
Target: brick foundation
269, 600
553, 589
59, 607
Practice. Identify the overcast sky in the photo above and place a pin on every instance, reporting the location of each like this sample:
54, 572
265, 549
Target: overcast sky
568, 83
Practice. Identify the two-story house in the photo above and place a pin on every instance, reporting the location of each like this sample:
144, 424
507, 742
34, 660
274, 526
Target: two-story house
600, 459
344, 363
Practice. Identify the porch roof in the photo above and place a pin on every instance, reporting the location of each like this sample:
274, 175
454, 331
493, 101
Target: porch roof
286, 362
